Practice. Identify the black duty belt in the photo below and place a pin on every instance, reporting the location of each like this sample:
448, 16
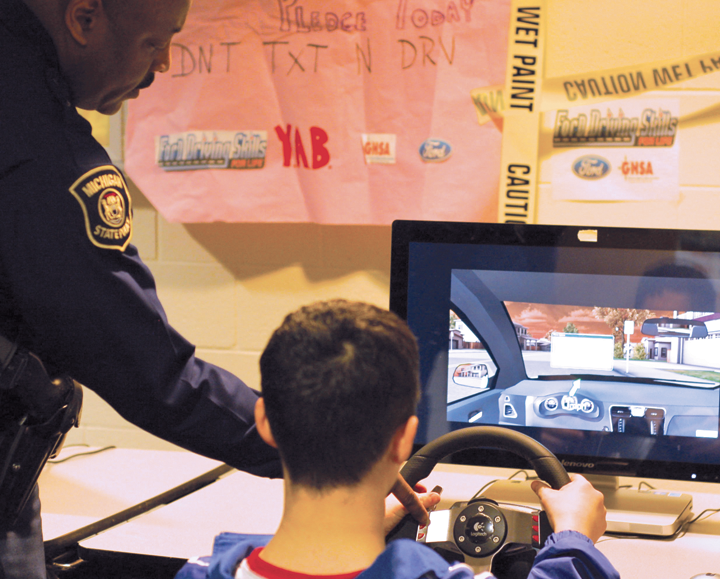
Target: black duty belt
36, 412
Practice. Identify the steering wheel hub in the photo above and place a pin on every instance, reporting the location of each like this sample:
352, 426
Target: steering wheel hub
480, 529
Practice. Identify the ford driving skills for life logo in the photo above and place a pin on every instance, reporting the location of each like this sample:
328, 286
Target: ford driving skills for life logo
211, 150
591, 167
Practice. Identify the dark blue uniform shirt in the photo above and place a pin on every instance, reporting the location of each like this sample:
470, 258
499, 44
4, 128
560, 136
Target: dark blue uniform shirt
72, 288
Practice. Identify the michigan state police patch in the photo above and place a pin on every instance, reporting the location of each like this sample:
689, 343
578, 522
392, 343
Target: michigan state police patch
107, 206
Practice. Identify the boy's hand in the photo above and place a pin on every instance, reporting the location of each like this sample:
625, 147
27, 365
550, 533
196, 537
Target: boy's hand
405, 500
408, 499
578, 506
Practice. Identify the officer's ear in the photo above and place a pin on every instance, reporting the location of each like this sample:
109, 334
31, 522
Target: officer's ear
83, 17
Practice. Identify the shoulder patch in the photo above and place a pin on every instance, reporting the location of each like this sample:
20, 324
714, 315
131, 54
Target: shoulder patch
105, 201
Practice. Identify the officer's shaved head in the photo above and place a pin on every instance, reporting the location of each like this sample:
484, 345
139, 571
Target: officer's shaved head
111, 49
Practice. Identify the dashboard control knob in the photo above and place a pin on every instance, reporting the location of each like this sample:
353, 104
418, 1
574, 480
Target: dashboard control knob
551, 404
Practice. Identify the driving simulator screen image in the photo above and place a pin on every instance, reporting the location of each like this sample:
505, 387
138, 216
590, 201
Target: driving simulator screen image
595, 354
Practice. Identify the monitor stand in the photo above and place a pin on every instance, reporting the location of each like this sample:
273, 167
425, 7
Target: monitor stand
631, 511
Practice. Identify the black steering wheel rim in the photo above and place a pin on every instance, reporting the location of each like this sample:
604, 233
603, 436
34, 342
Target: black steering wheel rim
422, 463
544, 462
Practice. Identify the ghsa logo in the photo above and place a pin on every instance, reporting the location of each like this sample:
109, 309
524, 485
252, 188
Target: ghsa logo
435, 151
379, 148
636, 168
591, 167
637, 171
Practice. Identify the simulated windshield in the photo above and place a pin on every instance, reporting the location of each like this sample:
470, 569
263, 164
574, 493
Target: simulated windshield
557, 340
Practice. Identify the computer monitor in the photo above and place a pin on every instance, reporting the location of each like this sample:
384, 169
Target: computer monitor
601, 343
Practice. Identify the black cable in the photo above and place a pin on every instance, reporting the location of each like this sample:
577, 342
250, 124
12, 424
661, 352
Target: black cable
684, 527
482, 489
511, 477
522, 471
96, 451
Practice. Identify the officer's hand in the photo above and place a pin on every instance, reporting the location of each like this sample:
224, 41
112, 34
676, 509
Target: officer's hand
575, 507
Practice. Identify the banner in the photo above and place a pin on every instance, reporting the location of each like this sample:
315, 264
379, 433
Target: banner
342, 112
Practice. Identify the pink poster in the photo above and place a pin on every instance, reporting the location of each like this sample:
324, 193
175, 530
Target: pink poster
333, 112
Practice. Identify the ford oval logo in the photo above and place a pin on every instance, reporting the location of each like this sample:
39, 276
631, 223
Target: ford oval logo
435, 150
591, 167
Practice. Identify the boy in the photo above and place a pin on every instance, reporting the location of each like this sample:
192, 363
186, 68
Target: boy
340, 386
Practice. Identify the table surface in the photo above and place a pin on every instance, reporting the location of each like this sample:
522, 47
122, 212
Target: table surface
90, 487
246, 504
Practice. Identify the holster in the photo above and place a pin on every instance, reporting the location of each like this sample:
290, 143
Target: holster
36, 412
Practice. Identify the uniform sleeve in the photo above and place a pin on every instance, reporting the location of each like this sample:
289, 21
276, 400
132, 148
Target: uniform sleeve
93, 313
571, 555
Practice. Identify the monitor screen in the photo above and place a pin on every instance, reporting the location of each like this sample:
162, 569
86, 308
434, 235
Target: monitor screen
601, 343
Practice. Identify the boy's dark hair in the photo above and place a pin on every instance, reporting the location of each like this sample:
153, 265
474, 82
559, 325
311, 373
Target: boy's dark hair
338, 379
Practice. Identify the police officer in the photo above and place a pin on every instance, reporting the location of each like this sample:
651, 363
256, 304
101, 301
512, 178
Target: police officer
73, 290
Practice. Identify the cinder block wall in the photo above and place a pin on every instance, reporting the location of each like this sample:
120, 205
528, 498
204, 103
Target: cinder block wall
227, 286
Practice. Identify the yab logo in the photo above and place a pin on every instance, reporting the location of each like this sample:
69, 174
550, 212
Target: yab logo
319, 154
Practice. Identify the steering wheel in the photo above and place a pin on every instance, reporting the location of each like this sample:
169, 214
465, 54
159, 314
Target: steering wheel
483, 533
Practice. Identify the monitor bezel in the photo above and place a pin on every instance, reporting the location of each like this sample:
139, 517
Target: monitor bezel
405, 232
